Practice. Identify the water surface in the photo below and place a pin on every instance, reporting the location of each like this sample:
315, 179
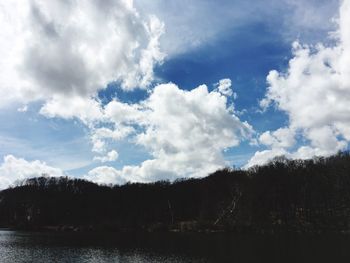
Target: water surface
17, 246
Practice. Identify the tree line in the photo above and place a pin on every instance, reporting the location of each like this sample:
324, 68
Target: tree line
281, 196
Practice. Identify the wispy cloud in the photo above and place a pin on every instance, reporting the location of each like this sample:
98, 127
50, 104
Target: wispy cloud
202, 22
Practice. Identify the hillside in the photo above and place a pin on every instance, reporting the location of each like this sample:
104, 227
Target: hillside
310, 196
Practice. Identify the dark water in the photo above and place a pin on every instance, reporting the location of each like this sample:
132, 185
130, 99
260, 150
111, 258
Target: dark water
18, 246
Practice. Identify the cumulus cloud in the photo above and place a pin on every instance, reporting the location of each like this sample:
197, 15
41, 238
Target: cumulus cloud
183, 121
315, 93
281, 138
224, 87
186, 132
262, 157
109, 157
123, 113
105, 175
88, 110
101, 136
13, 169
74, 48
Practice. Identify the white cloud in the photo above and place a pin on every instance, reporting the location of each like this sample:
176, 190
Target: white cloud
281, 138
261, 157
109, 157
13, 169
87, 110
224, 87
123, 113
184, 121
185, 132
74, 48
105, 175
315, 94
118, 133
101, 136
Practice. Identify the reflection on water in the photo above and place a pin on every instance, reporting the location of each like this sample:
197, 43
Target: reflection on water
18, 246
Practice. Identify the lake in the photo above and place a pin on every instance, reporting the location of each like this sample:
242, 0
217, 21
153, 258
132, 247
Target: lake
18, 246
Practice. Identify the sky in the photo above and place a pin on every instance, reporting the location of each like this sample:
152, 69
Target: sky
120, 91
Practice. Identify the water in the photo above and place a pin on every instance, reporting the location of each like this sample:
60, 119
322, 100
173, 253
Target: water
16, 246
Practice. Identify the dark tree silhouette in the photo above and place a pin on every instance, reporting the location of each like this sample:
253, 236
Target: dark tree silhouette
284, 195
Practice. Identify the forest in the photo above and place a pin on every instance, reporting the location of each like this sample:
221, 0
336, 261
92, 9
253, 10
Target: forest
302, 196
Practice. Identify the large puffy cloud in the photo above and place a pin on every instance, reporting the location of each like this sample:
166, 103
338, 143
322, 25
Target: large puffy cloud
315, 94
186, 132
187, 121
74, 48
16, 169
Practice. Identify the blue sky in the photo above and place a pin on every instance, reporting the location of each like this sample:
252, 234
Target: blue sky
124, 102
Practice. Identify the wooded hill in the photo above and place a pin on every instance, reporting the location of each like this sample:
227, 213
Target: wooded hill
283, 196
